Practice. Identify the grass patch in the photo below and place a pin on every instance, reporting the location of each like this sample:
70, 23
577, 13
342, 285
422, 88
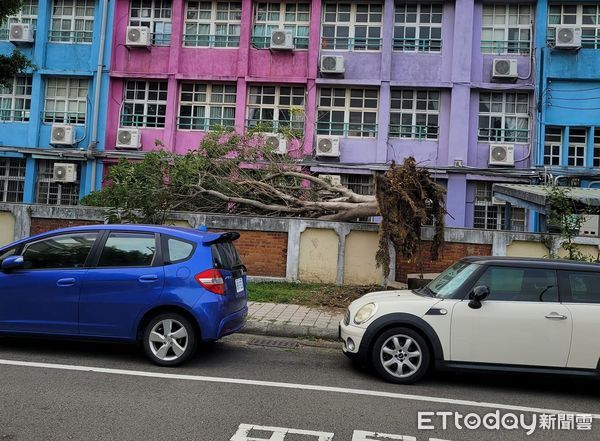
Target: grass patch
307, 294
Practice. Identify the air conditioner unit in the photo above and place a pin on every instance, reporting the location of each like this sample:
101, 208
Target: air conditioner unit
138, 36
20, 33
502, 154
332, 64
276, 143
568, 37
62, 134
504, 68
333, 179
64, 173
590, 225
282, 39
328, 146
128, 139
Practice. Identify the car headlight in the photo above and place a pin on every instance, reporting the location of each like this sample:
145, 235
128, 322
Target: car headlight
365, 313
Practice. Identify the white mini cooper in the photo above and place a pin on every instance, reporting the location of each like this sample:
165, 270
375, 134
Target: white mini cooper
508, 314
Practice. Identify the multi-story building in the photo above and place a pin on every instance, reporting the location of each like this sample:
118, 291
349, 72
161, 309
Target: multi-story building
51, 120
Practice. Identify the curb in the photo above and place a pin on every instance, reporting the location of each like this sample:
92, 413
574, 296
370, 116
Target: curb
281, 330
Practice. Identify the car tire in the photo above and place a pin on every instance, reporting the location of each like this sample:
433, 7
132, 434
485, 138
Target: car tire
169, 339
400, 355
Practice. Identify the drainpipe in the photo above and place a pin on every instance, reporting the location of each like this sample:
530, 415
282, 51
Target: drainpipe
96, 112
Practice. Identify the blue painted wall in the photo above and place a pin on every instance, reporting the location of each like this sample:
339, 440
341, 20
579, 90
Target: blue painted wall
61, 60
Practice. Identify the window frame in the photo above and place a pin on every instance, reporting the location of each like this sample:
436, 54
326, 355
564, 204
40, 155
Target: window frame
434, 45
350, 45
263, 41
30, 17
66, 116
45, 177
501, 134
13, 96
164, 6
86, 264
596, 147
7, 177
503, 46
157, 260
276, 107
578, 158
494, 214
141, 120
347, 110
213, 40
166, 255
208, 105
591, 41
397, 131
72, 35
551, 143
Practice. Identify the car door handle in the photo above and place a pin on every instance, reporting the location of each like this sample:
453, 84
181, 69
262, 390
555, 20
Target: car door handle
147, 278
65, 282
556, 316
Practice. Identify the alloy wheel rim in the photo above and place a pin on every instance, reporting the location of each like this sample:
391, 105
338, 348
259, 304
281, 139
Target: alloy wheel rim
401, 356
168, 340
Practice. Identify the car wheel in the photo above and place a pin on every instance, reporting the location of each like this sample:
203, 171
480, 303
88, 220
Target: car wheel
169, 339
400, 355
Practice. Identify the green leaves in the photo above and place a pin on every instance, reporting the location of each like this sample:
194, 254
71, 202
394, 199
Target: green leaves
16, 63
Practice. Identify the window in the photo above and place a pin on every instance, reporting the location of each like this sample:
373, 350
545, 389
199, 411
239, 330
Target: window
12, 179
504, 117
553, 146
178, 250
418, 27
582, 286
520, 284
55, 193
276, 107
597, 147
506, 29
72, 21
448, 283
586, 16
352, 26
489, 215
225, 256
205, 106
145, 104
212, 24
577, 143
293, 16
128, 250
27, 14
66, 100
359, 184
414, 114
64, 251
15, 100
155, 15
347, 112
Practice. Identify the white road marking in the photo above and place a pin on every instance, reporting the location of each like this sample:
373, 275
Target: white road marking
276, 433
308, 387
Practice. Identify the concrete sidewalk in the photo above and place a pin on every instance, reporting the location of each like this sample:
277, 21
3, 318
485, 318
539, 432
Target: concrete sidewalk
284, 320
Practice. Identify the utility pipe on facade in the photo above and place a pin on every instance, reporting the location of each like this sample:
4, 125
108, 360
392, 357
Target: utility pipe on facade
96, 112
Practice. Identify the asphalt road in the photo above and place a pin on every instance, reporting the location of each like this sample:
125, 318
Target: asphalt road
234, 390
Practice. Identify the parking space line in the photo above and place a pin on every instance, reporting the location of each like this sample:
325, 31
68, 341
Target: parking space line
304, 387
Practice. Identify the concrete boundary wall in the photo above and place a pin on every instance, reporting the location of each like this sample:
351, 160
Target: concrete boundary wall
272, 247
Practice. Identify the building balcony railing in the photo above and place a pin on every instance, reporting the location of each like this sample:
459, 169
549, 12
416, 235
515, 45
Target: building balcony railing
212, 41
203, 124
413, 132
590, 42
4, 34
55, 36
139, 120
292, 128
504, 135
417, 44
500, 47
63, 117
263, 42
14, 115
351, 44
359, 130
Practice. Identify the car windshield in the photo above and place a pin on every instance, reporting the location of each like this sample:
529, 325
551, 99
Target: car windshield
447, 283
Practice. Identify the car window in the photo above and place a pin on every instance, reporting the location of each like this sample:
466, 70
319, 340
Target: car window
225, 255
64, 251
584, 287
520, 284
128, 249
178, 250
7, 253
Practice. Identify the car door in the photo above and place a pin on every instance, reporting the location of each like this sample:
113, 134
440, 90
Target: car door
125, 280
521, 322
42, 297
580, 291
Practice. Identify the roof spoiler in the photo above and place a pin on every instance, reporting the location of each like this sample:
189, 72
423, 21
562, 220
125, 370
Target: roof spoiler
214, 238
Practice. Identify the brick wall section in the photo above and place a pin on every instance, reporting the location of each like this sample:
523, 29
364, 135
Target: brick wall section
447, 256
41, 225
264, 253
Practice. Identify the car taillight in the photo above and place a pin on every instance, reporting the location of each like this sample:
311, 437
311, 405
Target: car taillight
212, 280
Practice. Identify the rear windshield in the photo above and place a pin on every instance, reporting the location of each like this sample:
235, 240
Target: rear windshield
225, 256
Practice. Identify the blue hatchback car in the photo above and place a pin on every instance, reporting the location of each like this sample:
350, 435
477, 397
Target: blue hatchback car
166, 287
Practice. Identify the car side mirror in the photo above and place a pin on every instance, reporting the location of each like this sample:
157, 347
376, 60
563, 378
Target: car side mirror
12, 262
478, 295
